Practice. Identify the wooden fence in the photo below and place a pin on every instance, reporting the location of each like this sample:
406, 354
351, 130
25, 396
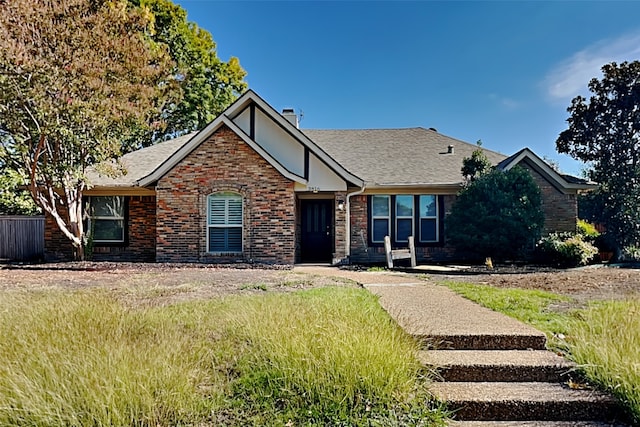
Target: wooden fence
21, 238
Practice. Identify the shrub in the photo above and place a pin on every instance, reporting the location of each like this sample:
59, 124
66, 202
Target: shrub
565, 250
498, 215
587, 230
630, 253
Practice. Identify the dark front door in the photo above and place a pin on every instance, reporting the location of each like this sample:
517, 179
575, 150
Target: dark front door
317, 236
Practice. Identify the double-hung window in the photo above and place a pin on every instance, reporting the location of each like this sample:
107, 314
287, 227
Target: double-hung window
106, 219
380, 218
429, 228
224, 222
404, 218
403, 215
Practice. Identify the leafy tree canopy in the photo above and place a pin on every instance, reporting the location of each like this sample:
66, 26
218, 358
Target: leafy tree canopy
207, 84
475, 166
497, 215
604, 132
76, 76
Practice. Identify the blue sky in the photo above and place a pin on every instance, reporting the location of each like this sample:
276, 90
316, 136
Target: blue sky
503, 72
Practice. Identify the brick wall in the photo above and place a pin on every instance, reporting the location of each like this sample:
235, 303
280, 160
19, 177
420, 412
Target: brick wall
139, 245
560, 210
225, 162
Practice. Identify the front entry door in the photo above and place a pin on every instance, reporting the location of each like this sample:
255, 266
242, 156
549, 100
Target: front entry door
317, 235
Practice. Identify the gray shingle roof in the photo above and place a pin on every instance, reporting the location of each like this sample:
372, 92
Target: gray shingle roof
140, 163
398, 156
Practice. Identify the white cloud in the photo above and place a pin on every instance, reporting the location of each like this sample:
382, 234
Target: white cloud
570, 77
507, 103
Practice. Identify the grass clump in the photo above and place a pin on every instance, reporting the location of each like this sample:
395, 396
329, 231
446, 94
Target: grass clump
85, 360
326, 357
605, 339
332, 352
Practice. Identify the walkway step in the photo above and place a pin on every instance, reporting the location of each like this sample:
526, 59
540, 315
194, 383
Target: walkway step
485, 401
441, 319
498, 365
513, 341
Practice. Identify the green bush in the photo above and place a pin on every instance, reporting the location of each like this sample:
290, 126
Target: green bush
587, 230
498, 215
565, 250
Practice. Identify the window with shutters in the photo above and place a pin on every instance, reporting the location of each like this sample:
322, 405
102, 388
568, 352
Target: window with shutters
224, 222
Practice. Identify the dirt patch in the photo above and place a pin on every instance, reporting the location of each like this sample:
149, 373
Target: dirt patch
584, 284
162, 284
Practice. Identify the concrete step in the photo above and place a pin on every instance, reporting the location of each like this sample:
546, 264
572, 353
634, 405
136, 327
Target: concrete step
534, 424
516, 341
499, 365
502, 401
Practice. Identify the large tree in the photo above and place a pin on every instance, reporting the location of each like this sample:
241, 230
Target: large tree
604, 132
76, 76
207, 84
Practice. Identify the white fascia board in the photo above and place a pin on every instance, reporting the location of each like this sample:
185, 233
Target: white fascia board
297, 133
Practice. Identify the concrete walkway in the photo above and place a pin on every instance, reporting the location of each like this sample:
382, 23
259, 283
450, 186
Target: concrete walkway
494, 369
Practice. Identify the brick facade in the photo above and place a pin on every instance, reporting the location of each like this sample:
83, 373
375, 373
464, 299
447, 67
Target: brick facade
224, 162
560, 209
139, 243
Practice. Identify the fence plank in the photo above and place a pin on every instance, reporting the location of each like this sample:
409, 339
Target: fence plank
21, 237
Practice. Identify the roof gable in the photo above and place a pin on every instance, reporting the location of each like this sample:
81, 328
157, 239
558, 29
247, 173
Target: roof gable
234, 119
564, 183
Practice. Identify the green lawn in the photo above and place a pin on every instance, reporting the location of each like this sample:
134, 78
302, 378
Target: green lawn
604, 339
328, 356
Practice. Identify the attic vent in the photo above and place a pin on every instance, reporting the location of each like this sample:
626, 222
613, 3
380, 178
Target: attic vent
291, 116
433, 129
450, 149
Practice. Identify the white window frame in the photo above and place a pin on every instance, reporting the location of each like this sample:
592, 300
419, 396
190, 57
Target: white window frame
411, 218
120, 217
436, 217
387, 217
227, 196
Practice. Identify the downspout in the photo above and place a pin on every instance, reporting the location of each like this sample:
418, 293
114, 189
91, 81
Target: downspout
348, 221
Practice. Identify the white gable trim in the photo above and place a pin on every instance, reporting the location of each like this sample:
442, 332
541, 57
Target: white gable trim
239, 106
202, 136
546, 169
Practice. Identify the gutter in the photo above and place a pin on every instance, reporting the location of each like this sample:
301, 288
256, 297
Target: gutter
348, 219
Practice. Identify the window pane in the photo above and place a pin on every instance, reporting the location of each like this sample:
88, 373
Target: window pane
404, 230
107, 206
404, 205
217, 210
380, 229
427, 206
428, 231
227, 239
216, 239
234, 239
380, 205
235, 211
108, 230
